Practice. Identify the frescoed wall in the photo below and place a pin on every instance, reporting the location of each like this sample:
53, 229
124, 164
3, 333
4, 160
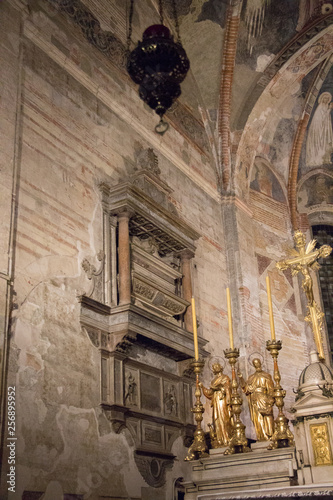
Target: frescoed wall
319, 144
264, 181
316, 190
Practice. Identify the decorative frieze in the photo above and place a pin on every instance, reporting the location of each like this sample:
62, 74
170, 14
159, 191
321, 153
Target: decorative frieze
151, 295
148, 396
104, 41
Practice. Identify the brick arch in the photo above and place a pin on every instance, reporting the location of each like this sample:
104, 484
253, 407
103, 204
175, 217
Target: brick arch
281, 86
227, 74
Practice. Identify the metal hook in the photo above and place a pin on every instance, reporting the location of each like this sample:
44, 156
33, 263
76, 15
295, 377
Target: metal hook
161, 127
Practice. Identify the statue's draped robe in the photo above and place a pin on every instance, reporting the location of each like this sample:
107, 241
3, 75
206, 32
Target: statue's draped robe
220, 395
260, 389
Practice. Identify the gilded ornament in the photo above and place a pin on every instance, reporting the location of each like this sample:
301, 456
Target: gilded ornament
302, 260
321, 444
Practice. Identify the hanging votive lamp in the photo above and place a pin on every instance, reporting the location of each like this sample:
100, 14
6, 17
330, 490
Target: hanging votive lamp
158, 65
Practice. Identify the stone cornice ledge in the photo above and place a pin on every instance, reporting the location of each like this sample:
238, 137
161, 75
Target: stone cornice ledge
311, 491
36, 36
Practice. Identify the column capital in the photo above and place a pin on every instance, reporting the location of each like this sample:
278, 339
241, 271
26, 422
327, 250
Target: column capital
124, 213
186, 254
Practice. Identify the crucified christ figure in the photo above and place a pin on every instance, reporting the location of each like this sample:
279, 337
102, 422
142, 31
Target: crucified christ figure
303, 260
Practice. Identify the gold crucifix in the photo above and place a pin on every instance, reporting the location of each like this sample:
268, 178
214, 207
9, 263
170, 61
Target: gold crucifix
303, 260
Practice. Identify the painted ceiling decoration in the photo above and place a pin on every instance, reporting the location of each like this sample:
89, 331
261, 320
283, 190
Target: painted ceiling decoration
263, 51
254, 18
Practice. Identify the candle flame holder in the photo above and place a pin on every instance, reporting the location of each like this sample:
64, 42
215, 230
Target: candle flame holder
238, 442
198, 448
282, 436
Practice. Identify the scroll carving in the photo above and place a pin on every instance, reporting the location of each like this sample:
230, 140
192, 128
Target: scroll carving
98, 338
125, 344
153, 470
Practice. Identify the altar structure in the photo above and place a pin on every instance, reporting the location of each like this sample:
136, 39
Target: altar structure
301, 471
274, 459
313, 422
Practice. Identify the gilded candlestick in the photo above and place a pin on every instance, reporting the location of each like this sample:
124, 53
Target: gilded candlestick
198, 448
282, 436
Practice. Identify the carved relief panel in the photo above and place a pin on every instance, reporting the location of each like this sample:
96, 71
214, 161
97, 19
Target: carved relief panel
128, 386
320, 439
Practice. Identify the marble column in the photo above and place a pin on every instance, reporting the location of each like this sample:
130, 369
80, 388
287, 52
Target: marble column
186, 257
124, 264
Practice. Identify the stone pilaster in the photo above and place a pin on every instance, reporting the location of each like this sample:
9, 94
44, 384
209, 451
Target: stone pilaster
124, 265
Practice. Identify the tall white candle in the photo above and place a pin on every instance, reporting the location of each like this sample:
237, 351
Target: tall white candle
231, 339
270, 307
195, 331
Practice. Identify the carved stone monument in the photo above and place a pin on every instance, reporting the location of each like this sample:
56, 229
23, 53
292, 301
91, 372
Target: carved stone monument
137, 313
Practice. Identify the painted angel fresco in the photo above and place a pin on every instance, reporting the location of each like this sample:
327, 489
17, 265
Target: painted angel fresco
319, 146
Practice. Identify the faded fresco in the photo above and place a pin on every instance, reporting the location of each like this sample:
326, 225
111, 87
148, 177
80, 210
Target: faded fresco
264, 181
114, 420
319, 144
316, 190
269, 25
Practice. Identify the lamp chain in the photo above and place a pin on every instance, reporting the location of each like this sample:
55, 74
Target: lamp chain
176, 19
160, 7
130, 18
